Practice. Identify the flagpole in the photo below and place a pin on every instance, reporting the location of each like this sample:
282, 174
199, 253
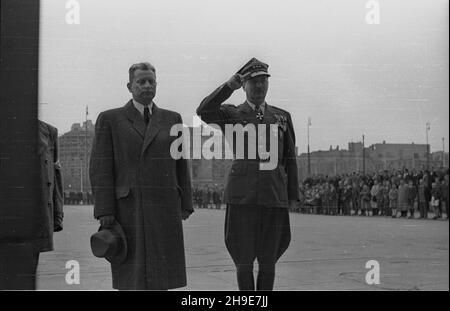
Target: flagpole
85, 142
428, 146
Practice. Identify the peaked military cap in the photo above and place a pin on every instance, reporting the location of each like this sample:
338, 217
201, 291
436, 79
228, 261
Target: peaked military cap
254, 68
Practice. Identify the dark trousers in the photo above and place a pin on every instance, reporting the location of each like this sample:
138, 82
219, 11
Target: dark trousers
355, 206
423, 209
383, 208
387, 209
348, 208
446, 207
256, 232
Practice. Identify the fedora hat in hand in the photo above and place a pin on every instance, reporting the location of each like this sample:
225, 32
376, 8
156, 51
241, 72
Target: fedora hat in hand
110, 243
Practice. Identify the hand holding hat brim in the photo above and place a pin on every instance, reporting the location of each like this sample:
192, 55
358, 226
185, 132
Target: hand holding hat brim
244, 76
253, 68
235, 82
110, 244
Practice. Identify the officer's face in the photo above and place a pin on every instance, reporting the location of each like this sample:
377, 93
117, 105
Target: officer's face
256, 89
143, 86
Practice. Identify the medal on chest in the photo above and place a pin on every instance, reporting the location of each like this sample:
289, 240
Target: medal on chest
259, 115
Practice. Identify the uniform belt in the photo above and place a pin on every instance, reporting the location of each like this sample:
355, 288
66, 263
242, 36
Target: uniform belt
252, 160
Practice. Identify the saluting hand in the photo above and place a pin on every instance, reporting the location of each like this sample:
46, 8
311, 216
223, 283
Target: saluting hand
236, 81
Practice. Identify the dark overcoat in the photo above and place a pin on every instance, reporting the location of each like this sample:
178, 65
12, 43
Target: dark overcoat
49, 211
135, 178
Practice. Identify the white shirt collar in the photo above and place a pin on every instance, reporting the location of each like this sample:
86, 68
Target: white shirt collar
141, 107
253, 106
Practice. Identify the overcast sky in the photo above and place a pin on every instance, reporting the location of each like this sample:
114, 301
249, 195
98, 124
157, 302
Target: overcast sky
326, 62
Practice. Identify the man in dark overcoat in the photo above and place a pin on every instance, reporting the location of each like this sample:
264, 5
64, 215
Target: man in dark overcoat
49, 214
138, 183
258, 199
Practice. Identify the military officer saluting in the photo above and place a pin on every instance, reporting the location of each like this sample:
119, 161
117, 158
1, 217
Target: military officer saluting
257, 218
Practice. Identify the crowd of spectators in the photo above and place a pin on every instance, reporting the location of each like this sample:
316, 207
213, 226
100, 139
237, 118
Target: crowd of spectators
399, 193
78, 198
208, 197
396, 193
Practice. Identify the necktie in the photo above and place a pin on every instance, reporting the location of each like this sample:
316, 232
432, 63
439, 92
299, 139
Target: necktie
146, 115
259, 113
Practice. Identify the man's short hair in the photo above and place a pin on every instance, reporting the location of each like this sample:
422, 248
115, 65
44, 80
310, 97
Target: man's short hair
141, 66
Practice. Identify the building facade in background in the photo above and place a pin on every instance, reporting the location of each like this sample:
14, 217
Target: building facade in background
333, 161
207, 172
377, 157
75, 147
440, 157
74, 153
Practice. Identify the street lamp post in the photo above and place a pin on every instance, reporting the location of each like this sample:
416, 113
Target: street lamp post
309, 155
85, 142
443, 153
428, 146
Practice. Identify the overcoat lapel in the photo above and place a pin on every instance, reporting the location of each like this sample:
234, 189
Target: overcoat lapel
137, 121
44, 137
153, 128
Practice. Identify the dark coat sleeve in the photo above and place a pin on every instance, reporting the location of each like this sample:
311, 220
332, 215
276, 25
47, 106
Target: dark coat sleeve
58, 199
210, 109
184, 181
101, 168
290, 159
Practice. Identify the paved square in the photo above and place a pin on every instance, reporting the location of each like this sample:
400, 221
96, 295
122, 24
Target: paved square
326, 253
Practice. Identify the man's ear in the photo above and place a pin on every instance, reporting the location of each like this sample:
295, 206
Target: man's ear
129, 86
243, 85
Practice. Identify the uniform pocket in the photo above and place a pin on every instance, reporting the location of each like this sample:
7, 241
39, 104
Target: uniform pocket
122, 192
239, 169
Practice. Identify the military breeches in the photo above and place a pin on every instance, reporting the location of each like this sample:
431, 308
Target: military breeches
256, 232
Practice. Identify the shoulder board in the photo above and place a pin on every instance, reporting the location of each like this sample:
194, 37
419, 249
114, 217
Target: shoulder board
281, 110
229, 106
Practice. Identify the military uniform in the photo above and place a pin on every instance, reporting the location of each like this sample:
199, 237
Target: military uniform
257, 218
